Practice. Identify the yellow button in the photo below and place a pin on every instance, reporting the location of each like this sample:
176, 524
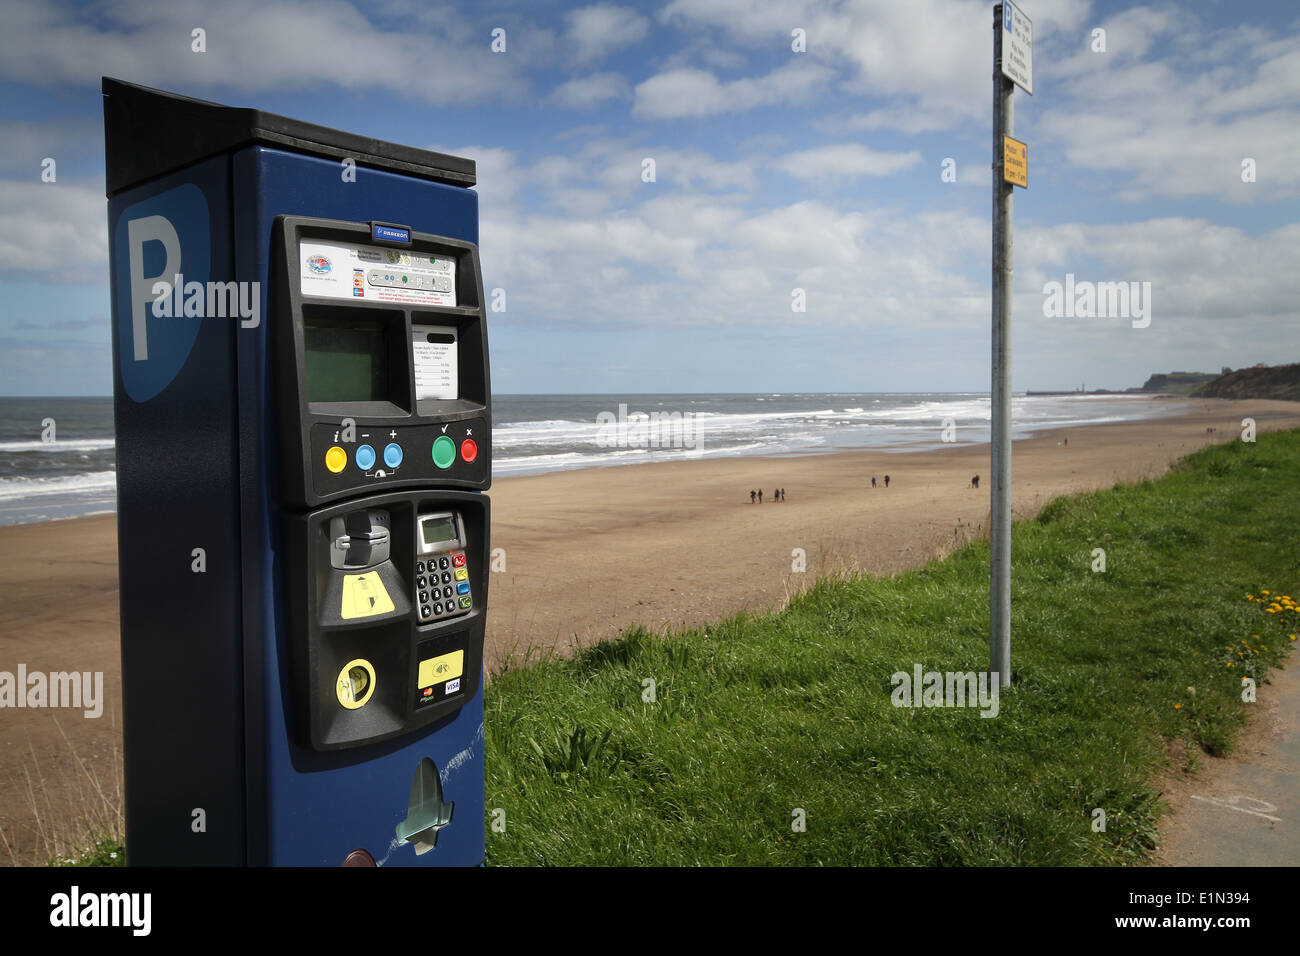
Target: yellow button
336, 459
462, 574
438, 669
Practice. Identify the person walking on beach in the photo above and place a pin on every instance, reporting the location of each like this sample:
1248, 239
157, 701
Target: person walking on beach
760, 496
752, 496
886, 481
873, 481
975, 482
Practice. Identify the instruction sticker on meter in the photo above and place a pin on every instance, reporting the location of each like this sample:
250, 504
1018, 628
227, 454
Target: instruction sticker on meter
376, 273
364, 595
434, 347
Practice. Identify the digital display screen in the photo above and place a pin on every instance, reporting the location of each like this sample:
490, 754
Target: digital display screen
438, 530
346, 362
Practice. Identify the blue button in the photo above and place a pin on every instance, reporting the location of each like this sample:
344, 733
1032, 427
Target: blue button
365, 457
462, 588
393, 455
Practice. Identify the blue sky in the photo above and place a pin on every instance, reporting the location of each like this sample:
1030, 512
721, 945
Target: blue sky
775, 170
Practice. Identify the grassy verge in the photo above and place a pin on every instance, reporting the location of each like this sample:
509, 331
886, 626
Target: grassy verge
758, 718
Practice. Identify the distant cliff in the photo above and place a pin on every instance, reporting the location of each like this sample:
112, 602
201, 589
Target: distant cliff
1275, 381
1175, 383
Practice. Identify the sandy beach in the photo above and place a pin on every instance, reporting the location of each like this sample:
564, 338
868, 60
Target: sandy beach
587, 554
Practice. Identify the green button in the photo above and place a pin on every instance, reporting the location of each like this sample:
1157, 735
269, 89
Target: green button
444, 451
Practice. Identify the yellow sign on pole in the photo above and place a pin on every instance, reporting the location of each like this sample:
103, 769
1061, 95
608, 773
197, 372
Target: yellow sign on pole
1015, 162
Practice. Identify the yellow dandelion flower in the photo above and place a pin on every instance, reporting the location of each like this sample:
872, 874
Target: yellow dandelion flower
1178, 706
1265, 592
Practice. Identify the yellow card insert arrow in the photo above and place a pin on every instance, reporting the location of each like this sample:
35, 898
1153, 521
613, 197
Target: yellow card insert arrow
364, 595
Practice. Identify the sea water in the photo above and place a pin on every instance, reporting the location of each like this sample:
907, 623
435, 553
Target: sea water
73, 474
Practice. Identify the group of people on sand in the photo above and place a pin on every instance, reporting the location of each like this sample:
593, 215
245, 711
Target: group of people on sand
756, 496
778, 494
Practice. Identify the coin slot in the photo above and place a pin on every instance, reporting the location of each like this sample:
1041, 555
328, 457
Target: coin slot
355, 684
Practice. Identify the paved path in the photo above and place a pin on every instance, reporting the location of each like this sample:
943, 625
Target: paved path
1245, 810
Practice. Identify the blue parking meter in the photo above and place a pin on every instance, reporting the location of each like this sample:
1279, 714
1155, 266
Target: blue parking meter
303, 425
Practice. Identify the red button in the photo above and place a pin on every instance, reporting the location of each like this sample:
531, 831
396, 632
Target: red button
469, 449
458, 560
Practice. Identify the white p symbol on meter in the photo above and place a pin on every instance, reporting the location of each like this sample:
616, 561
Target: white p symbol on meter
138, 232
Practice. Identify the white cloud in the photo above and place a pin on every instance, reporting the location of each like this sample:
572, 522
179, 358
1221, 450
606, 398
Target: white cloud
1178, 138
1197, 268
68, 140
935, 55
844, 161
605, 249
46, 228
596, 31
668, 255
586, 92
1275, 83
694, 93
906, 119
255, 45
1130, 36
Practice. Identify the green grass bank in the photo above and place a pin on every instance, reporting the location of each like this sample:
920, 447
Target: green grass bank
758, 723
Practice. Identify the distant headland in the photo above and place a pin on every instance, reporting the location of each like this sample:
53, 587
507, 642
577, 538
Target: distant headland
1260, 381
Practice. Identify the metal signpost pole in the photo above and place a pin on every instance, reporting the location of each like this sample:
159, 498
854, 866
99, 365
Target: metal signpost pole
1000, 494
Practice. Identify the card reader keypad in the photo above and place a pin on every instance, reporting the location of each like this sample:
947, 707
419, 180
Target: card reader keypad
442, 588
